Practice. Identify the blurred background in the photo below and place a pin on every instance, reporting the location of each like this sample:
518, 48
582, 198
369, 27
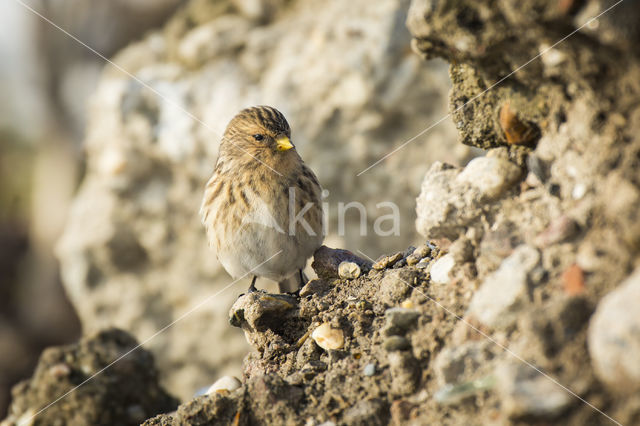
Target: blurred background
101, 173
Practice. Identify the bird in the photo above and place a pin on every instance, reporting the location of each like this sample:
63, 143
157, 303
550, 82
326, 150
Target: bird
261, 207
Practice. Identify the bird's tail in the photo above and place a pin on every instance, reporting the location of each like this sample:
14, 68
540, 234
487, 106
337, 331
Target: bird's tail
293, 283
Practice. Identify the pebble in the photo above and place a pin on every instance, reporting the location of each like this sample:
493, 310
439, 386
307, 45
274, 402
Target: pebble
59, 370
573, 280
396, 343
453, 363
387, 261
614, 337
525, 392
314, 286
498, 301
224, 384
395, 285
348, 270
399, 320
441, 269
491, 176
369, 370
328, 338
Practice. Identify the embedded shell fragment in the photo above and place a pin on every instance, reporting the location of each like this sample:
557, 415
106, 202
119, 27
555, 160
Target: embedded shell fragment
328, 338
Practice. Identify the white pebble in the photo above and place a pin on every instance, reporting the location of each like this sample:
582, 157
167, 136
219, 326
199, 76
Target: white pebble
225, 383
348, 270
441, 268
328, 338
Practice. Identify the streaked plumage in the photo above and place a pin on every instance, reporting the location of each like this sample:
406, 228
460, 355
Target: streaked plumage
245, 208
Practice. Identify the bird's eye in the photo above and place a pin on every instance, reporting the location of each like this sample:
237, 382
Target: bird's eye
258, 137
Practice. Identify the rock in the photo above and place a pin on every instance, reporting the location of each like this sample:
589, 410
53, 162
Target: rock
263, 316
453, 364
395, 285
328, 338
490, 176
405, 372
499, 299
441, 268
122, 390
327, 261
525, 392
614, 337
573, 280
348, 270
369, 370
318, 287
451, 199
399, 321
387, 261
224, 384
148, 160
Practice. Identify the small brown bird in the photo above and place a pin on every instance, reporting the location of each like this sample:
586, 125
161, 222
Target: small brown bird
262, 200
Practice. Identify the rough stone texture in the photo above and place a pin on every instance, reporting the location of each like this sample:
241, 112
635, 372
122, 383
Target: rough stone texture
126, 393
563, 133
134, 254
289, 379
614, 337
524, 391
451, 200
499, 300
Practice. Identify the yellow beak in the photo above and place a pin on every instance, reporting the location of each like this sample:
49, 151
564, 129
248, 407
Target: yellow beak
283, 143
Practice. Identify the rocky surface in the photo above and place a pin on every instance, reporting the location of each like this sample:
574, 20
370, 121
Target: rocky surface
101, 380
496, 323
491, 320
351, 89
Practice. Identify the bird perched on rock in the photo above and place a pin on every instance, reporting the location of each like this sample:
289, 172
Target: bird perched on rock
261, 208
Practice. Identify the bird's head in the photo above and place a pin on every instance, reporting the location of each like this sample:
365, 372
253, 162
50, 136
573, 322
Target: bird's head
261, 132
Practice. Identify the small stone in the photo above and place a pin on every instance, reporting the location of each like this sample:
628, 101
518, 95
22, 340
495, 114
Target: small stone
326, 262
412, 260
516, 131
381, 263
441, 269
491, 176
314, 286
421, 251
328, 338
369, 370
60, 370
388, 261
348, 270
614, 338
525, 392
503, 293
573, 280
407, 304
224, 384
399, 320
395, 285
396, 343
453, 363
